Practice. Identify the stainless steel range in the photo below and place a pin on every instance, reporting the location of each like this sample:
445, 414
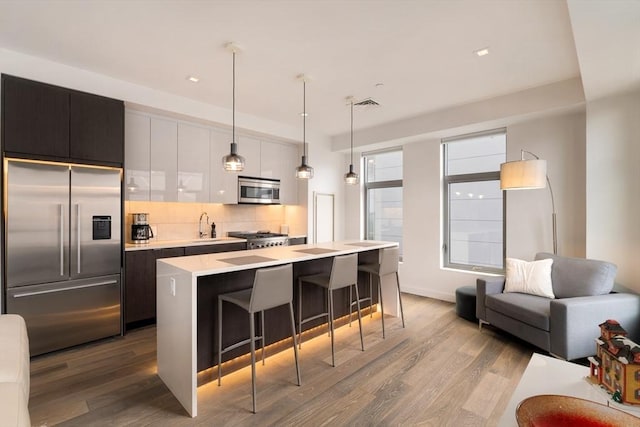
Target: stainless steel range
261, 239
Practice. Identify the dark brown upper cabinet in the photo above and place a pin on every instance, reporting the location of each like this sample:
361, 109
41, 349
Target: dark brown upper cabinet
96, 128
46, 122
35, 118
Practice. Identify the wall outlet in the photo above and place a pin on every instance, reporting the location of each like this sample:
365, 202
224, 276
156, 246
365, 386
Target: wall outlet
172, 282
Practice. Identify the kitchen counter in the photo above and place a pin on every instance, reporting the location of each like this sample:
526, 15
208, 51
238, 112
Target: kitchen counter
225, 262
187, 288
163, 244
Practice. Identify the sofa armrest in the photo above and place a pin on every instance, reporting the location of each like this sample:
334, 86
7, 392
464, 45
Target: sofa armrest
574, 321
484, 287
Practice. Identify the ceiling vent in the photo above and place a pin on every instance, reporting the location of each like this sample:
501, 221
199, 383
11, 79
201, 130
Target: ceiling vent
367, 103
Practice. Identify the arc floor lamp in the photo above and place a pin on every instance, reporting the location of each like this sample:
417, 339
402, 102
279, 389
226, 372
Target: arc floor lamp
528, 175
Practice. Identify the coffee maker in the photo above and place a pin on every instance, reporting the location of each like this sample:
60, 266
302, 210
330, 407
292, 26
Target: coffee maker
140, 230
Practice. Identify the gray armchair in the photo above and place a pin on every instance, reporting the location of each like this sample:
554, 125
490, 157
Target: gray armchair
568, 325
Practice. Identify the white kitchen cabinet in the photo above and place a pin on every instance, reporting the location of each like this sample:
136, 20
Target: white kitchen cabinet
279, 161
193, 163
163, 160
137, 140
224, 185
249, 148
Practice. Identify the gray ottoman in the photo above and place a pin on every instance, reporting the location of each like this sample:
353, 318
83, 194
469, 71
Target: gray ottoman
466, 303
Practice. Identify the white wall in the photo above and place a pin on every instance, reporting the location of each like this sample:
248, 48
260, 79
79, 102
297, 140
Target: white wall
559, 140
55, 73
613, 176
327, 179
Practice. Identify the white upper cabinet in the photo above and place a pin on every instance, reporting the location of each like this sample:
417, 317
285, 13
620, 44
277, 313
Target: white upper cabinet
164, 165
193, 163
249, 148
169, 160
137, 149
279, 161
224, 185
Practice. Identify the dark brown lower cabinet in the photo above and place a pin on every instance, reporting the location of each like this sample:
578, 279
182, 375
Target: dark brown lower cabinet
140, 279
140, 285
212, 249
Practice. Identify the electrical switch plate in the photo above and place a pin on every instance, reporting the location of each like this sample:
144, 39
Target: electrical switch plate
172, 281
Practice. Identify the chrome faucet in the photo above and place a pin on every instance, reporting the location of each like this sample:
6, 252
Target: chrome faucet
200, 232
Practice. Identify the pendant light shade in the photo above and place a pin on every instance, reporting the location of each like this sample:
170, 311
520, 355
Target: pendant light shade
233, 162
304, 171
351, 177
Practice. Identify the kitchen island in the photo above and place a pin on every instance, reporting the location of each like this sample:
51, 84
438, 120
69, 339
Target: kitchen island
187, 289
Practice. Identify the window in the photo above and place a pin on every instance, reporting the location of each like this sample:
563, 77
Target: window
383, 196
473, 202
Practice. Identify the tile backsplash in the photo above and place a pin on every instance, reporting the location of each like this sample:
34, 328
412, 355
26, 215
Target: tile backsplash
178, 221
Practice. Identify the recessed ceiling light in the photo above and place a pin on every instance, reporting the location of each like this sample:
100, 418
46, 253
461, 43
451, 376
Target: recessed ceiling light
482, 52
304, 114
193, 79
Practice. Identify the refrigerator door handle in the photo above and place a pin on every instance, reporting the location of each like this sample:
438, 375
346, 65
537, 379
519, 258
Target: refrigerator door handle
61, 239
79, 244
70, 288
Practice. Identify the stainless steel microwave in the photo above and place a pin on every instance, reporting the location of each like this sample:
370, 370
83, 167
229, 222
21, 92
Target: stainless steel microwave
262, 191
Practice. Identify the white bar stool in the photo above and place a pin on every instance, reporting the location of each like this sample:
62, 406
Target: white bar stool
272, 287
344, 272
389, 258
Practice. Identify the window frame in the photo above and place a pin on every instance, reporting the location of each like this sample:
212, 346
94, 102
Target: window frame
446, 205
394, 183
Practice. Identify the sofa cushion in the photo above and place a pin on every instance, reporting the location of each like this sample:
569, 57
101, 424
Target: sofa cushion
13, 406
14, 357
579, 277
529, 277
530, 309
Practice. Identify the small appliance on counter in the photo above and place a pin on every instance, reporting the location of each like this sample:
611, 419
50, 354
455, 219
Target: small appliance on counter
141, 231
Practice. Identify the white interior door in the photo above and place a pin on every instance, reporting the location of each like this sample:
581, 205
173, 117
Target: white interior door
323, 217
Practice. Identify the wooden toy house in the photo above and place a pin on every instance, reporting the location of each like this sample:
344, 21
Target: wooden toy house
616, 365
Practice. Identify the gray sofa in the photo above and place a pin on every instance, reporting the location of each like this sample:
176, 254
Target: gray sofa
568, 325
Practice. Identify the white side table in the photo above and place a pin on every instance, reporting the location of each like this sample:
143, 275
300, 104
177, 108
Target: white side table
547, 375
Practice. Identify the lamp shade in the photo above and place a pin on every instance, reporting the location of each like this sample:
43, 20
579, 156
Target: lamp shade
304, 171
233, 162
523, 175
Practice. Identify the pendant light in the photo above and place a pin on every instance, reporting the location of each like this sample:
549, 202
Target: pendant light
304, 171
351, 177
233, 162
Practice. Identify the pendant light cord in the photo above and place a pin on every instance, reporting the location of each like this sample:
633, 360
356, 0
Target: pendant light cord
352, 132
233, 120
304, 118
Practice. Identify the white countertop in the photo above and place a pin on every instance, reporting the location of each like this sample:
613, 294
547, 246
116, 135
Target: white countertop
204, 265
163, 244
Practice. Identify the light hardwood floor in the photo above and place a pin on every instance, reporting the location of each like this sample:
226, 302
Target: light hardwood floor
439, 371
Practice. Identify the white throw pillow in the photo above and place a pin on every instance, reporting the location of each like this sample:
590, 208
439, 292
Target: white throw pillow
529, 277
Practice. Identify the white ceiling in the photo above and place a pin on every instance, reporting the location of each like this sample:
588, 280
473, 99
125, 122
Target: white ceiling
422, 51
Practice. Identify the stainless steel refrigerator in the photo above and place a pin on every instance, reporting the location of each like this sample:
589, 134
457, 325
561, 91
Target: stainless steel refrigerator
63, 251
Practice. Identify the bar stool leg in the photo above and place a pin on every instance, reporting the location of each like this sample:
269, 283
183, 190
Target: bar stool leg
262, 334
299, 314
350, 306
295, 344
329, 304
370, 296
381, 304
252, 331
400, 298
219, 341
333, 357
359, 316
